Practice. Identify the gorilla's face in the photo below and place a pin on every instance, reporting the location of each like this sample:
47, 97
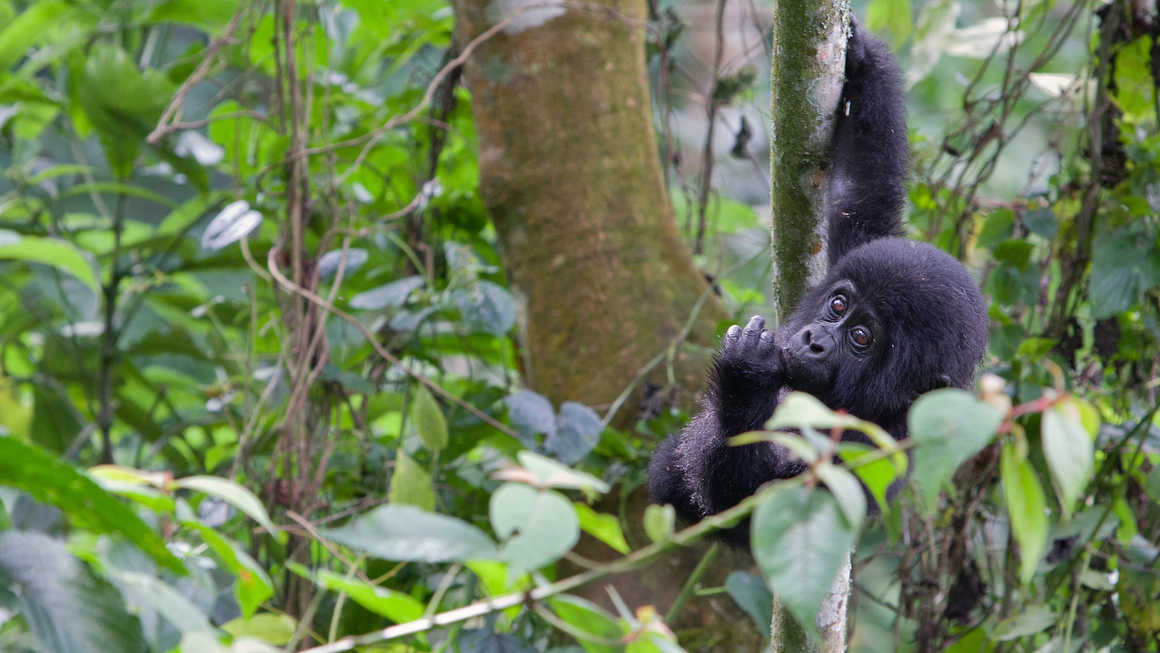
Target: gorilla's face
893, 319
833, 334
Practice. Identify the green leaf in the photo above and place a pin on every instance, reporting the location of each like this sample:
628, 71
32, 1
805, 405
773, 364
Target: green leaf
411, 484
752, 596
486, 307
877, 475
1033, 619
587, 617
253, 586
577, 432
531, 413
802, 411
395, 532
605, 528
1026, 508
235, 495
891, 16
1125, 264
846, 490
389, 603
801, 540
1034, 349
549, 473
51, 480
30, 27
209, 15
659, 522
393, 294
428, 419
1069, 454
539, 526
68, 607
122, 102
1017, 252
275, 629
150, 593
948, 427
49, 251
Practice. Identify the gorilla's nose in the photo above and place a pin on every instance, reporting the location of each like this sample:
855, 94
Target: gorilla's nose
814, 342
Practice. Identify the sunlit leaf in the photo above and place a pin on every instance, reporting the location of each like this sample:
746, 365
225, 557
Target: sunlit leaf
587, 617
389, 603
605, 528
276, 629
49, 251
236, 495
1069, 454
659, 522
1026, 508
253, 586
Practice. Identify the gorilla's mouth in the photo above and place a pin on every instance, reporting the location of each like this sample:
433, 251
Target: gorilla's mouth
805, 375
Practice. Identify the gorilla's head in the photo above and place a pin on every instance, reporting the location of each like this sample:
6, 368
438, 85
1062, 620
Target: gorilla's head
893, 319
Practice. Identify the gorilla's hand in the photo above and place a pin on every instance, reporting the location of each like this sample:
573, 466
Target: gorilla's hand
748, 376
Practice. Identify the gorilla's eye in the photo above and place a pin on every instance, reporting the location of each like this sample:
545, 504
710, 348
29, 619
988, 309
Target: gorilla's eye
838, 304
861, 336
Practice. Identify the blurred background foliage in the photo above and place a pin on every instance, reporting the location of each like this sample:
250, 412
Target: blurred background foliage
264, 380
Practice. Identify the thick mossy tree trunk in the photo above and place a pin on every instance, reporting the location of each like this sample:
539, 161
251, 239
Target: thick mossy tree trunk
570, 173
807, 73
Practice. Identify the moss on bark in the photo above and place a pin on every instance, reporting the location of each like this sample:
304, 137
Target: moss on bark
570, 173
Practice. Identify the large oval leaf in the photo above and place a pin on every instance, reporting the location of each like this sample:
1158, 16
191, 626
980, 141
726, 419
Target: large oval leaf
398, 532
540, 526
70, 609
948, 427
801, 540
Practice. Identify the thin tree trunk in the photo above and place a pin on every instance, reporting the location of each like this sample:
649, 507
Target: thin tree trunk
809, 56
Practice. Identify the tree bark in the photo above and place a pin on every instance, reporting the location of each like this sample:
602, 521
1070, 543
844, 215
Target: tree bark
570, 173
807, 72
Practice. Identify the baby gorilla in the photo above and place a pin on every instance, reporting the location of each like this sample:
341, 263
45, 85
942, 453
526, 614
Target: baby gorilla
892, 319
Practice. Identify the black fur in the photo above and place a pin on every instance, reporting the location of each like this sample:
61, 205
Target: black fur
927, 318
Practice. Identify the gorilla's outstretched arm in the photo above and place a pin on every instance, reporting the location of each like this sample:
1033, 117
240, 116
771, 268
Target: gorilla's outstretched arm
866, 191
